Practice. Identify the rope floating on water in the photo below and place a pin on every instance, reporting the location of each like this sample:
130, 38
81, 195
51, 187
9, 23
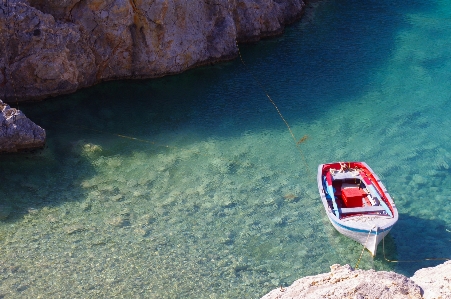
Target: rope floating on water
296, 142
411, 261
398, 261
116, 134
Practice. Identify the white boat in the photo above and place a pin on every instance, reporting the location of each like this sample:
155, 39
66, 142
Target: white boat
356, 202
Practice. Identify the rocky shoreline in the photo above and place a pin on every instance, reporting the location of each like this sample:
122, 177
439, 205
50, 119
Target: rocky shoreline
346, 282
52, 47
17, 132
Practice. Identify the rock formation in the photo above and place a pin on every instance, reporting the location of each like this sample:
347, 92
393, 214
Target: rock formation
435, 281
51, 47
345, 282
17, 132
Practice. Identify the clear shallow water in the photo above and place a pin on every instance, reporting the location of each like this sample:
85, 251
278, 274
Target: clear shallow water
217, 202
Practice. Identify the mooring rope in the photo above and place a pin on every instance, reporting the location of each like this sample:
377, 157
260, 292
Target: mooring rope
396, 261
363, 249
114, 134
296, 142
411, 261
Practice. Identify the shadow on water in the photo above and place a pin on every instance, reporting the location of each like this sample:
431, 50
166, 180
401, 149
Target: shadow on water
330, 63
307, 70
419, 243
412, 244
44, 178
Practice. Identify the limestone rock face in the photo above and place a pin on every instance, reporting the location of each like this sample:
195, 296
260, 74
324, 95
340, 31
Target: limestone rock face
51, 47
17, 132
41, 55
344, 282
435, 281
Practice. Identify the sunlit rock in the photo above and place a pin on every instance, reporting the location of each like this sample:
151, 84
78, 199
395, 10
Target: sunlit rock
56, 47
346, 282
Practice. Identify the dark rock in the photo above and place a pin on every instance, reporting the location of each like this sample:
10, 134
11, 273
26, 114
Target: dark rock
17, 132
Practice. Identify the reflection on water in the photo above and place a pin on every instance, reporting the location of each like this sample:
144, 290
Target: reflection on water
212, 199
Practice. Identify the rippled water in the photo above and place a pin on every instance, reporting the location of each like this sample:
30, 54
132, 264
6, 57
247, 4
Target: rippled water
191, 186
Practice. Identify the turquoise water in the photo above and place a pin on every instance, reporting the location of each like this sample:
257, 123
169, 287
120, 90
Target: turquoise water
213, 199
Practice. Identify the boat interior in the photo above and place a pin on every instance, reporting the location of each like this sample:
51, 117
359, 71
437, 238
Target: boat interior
352, 196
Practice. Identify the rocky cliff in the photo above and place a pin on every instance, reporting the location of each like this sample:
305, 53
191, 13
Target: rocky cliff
51, 47
345, 282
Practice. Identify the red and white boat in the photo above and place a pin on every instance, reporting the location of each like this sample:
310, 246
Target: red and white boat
356, 202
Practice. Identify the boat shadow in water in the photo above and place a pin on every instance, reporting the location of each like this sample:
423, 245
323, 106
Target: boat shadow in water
412, 244
417, 243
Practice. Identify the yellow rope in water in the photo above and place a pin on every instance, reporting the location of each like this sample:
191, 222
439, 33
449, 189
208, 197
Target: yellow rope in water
115, 134
297, 143
411, 261
363, 249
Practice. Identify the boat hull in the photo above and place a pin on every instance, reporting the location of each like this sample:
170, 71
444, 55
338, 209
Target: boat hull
370, 238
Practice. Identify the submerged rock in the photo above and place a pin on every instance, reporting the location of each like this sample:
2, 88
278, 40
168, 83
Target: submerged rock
5, 210
54, 47
74, 228
17, 132
119, 221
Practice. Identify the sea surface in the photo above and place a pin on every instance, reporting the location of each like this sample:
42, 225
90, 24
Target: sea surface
192, 186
